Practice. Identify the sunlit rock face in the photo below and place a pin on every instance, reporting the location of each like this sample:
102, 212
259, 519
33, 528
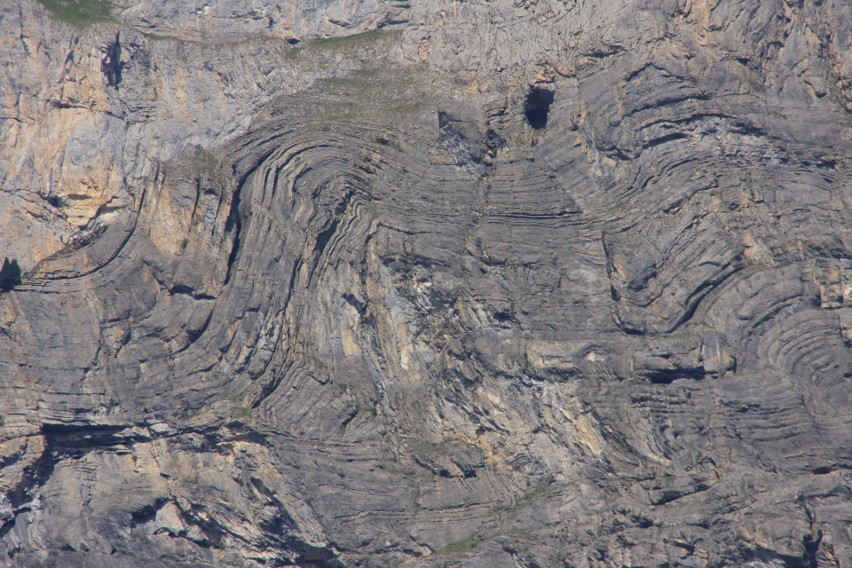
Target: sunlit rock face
427, 284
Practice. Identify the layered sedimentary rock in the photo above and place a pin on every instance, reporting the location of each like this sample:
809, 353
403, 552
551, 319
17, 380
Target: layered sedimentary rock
446, 284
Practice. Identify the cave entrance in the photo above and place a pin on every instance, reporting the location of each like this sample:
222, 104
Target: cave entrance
537, 106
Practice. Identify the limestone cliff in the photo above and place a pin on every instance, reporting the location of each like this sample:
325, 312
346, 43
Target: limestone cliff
442, 283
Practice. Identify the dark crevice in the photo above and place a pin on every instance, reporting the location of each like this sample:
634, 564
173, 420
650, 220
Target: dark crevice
33, 478
811, 546
270, 387
147, 513
309, 555
656, 70
748, 129
504, 317
537, 106
233, 221
359, 305
696, 297
493, 142
348, 420
59, 439
444, 120
667, 138
667, 101
194, 334
324, 237
765, 555
213, 532
181, 289
185, 290
668, 376
75, 440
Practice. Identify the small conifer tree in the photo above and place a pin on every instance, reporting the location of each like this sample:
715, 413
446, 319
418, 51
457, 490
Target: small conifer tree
10, 274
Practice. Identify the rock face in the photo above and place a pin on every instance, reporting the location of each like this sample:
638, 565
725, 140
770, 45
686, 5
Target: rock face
434, 284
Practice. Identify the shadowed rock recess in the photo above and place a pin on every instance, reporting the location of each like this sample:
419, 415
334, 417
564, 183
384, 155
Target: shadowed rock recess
333, 283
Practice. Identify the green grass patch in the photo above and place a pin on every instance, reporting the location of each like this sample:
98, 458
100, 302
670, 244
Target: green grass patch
204, 161
525, 499
375, 213
470, 543
425, 448
292, 53
315, 362
80, 13
242, 413
401, 472
673, 336
532, 495
347, 41
459, 546
369, 95
332, 43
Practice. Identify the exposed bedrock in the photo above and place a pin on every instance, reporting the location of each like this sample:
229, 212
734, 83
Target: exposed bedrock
594, 310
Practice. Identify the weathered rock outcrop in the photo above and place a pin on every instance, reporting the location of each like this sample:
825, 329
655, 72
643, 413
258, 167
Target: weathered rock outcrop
432, 284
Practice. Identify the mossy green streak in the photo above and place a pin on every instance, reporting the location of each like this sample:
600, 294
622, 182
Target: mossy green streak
79, 13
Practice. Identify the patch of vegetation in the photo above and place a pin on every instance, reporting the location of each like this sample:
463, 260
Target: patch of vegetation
205, 161
532, 495
184, 243
524, 499
459, 546
315, 361
346, 41
369, 96
619, 206
80, 13
330, 43
10, 275
401, 472
190, 414
292, 53
427, 448
374, 210
242, 413
511, 533
681, 335
237, 397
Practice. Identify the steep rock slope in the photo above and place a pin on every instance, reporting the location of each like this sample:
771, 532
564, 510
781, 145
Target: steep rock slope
446, 284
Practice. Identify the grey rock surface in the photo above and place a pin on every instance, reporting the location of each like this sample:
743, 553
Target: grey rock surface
521, 284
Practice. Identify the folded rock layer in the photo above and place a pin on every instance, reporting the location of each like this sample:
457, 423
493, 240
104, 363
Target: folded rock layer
448, 284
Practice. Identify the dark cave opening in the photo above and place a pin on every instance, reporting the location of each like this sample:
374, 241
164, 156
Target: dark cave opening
537, 106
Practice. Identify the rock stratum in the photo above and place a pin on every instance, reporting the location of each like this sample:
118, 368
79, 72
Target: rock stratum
449, 283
